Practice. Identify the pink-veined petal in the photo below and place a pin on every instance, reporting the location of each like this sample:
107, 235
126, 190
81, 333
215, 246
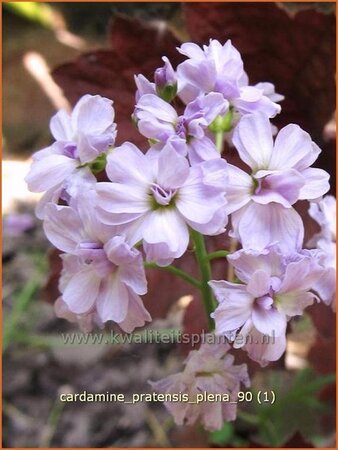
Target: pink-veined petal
259, 284
113, 299
63, 227
253, 140
81, 291
61, 127
235, 305
173, 168
269, 321
49, 172
293, 149
166, 226
93, 114
294, 303
137, 314
127, 164
258, 226
239, 188
316, 183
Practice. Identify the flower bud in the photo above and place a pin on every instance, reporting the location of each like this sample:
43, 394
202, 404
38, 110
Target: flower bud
222, 123
165, 81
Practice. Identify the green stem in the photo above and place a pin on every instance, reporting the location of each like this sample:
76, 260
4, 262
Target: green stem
219, 141
205, 270
218, 254
176, 271
248, 417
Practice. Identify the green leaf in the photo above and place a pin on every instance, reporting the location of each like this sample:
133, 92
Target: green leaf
224, 435
296, 408
99, 164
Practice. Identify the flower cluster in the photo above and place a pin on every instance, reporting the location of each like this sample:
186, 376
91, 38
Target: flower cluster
154, 204
209, 370
274, 287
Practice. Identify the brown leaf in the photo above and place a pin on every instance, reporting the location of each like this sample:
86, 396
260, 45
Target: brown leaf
136, 48
322, 355
50, 292
296, 54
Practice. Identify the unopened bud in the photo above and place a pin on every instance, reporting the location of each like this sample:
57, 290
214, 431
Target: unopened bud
222, 123
165, 81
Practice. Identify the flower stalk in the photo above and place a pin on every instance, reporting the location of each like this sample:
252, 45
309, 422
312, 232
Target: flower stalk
205, 271
175, 271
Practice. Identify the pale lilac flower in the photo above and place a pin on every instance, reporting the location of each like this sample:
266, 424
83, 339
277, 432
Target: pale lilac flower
207, 370
158, 197
324, 213
158, 120
102, 275
80, 137
274, 288
261, 203
219, 68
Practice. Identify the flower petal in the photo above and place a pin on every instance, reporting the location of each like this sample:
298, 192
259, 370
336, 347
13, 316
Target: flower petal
208, 107
173, 168
326, 286
270, 322
253, 140
191, 50
166, 226
133, 276
93, 115
252, 99
63, 227
118, 198
81, 291
294, 303
157, 108
202, 150
235, 305
300, 275
61, 127
200, 74
239, 189
200, 196
263, 349
137, 314
215, 226
316, 184
281, 187
113, 299
48, 172
247, 262
259, 284
127, 164
159, 254
293, 149
50, 196
258, 226
119, 252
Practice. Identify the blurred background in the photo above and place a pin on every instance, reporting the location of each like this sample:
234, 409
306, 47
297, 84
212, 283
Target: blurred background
52, 54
